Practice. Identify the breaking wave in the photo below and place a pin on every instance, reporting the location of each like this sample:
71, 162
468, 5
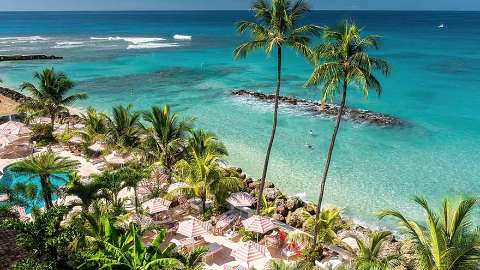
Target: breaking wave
182, 37
152, 45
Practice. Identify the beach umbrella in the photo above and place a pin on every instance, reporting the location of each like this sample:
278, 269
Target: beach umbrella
193, 227
14, 128
7, 139
115, 159
176, 186
248, 252
258, 224
78, 126
156, 205
97, 147
240, 199
76, 140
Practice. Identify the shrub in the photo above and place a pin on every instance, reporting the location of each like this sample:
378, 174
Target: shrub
43, 134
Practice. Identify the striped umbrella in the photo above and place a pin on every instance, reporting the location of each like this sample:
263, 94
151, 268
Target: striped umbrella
240, 199
248, 252
14, 128
193, 228
258, 224
156, 205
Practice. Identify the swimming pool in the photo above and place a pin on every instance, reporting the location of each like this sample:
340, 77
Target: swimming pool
11, 178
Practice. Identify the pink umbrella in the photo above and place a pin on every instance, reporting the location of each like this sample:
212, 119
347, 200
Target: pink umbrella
193, 228
240, 199
249, 252
4, 197
14, 128
156, 205
258, 224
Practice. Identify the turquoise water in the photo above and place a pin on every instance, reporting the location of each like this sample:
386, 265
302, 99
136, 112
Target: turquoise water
434, 86
10, 178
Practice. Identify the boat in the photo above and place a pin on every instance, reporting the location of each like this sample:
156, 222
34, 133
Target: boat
441, 26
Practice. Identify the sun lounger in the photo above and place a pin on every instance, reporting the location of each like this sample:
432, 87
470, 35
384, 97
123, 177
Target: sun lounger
213, 249
224, 222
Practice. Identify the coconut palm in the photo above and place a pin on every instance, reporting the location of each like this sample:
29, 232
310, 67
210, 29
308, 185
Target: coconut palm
96, 125
125, 127
201, 142
191, 260
340, 62
127, 251
327, 223
50, 96
277, 27
369, 257
132, 176
110, 184
446, 240
46, 166
87, 192
168, 135
205, 178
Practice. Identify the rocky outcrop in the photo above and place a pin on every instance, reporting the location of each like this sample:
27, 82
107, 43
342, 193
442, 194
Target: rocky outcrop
331, 110
296, 218
28, 57
13, 95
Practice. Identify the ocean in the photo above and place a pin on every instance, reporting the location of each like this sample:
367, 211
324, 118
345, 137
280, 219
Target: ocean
184, 58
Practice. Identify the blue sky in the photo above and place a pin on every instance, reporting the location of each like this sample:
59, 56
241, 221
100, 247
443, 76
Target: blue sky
232, 4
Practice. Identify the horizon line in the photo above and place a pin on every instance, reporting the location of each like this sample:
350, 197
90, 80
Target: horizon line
192, 10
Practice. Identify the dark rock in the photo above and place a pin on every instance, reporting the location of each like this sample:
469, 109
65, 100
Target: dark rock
278, 217
272, 193
281, 206
293, 203
310, 208
356, 115
296, 218
28, 57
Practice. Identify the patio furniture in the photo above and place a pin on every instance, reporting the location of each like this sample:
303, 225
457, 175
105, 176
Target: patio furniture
232, 235
213, 249
156, 205
191, 243
240, 199
224, 222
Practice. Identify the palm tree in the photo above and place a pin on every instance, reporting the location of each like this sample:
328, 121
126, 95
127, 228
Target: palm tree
132, 177
96, 125
340, 62
46, 166
125, 127
447, 240
127, 251
201, 142
110, 184
368, 256
278, 26
192, 260
168, 135
327, 223
87, 192
278, 264
205, 178
50, 95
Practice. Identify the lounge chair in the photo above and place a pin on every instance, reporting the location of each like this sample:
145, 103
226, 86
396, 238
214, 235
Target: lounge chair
225, 221
213, 249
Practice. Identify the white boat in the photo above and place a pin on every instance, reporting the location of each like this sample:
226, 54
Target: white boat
441, 26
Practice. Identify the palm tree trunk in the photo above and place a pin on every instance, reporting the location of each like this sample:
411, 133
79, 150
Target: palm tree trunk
136, 198
274, 129
47, 194
327, 162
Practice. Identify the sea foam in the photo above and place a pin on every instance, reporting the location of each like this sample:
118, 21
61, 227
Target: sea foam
22, 39
182, 37
134, 40
152, 45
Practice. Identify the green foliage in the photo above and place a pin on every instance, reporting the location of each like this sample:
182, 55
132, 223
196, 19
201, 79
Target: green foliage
124, 127
110, 183
202, 142
268, 208
87, 192
168, 136
50, 96
42, 134
447, 239
205, 178
127, 251
96, 125
277, 25
44, 238
368, 256
328, 224
33, 264
191, 260
246, 235
46, 166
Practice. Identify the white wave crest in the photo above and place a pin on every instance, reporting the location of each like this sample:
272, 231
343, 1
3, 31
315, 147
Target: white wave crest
182, 37
24, 39
69, 43
134, 40
152, 45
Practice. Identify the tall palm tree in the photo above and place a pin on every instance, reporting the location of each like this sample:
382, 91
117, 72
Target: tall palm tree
125, 127
340, 62
50, 96
447, 240
205, 178
110, 184
201, 142
328, 225
277, 26
46, 166
96, 125
368, 256
168, 135
87, 192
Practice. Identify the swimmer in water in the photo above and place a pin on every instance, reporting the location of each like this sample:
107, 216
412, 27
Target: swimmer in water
308, 146
311, 132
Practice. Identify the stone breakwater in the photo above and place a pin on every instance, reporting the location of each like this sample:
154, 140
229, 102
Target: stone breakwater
28, 57
356, 115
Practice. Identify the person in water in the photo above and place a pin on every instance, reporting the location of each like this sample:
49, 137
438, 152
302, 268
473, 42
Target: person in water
311, 132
